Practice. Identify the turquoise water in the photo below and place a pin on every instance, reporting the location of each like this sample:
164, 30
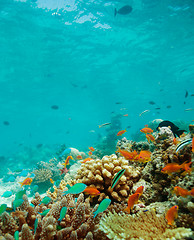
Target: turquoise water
78, 56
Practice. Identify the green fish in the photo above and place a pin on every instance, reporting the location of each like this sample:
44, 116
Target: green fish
62, 213
46, 200
102, 207
44, 213
20, 194
117, 177
35, 225
16, 235
76, 189
7, 194
16, 203
3, 208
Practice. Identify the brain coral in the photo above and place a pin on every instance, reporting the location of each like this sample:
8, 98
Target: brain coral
99, 173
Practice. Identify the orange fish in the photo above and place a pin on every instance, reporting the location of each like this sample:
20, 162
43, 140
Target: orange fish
193, 144
121, 132
140, 190
67, 161
125, 115
192, 192
187, 168
90, 153
128, 155
79, 157
175, 141
150, 137
133, 199
146, 130
144, 156
171, 214
171, 168
51, 180
181, 192
92, 191
86, 160
26, 181
91, 149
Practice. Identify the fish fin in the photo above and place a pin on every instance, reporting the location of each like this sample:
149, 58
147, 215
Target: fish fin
127, 209
115, 12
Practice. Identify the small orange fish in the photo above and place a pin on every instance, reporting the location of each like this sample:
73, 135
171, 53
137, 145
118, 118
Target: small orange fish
187, 168
192, 192
171, 168
121, 132
171, 214
128, 155
90, 153
51, 180
67, 161
181, 191
79, 157
146, 130
86, 160
92, 149
150, 137
175, 141
133, 199
125, 115
140, 190
26, 181
193, 144
92, 191
144, 156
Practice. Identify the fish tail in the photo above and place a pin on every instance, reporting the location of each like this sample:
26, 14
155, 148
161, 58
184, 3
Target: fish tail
115, 12
95, 214
127, 209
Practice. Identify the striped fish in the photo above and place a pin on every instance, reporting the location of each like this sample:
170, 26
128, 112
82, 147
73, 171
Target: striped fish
183, 144
117, 177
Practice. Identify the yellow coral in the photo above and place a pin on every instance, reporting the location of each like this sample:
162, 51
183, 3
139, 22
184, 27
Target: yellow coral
99, 173
144, 226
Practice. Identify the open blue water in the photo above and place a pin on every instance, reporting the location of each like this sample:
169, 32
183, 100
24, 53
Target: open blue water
78, 56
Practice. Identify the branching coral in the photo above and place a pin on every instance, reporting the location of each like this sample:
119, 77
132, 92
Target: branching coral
144, 225
99, 173
42, 175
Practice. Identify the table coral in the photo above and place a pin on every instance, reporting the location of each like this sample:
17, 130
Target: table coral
144, 225
99, 173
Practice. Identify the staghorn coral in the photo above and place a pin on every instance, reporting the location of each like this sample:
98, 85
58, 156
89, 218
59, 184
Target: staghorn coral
78, 222
100, 173
144, 225
42, 175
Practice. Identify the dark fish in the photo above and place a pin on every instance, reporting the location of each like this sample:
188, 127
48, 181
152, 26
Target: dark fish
151, 102
39, 145
6, 123
118, 103
183, 143
186, 94
74, 85
184, 102
158, 108
124, 10
168, 106
55, 107
128, 126
192, 95
172, 126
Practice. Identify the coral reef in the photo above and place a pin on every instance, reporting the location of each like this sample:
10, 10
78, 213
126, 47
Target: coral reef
42, 175
144, 225
99, 173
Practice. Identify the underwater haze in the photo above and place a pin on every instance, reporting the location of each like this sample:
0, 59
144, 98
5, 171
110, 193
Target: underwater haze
67, 67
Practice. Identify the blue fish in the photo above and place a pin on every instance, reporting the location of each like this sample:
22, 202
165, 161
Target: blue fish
19, 195
17, 203
16, 235
65, 152
11, 179
7, 194
46, 200
103, 206
76, 189
124, 10
34, 188
3, 208
56, 183
62, 213
44, 213
35, 225
24, 173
